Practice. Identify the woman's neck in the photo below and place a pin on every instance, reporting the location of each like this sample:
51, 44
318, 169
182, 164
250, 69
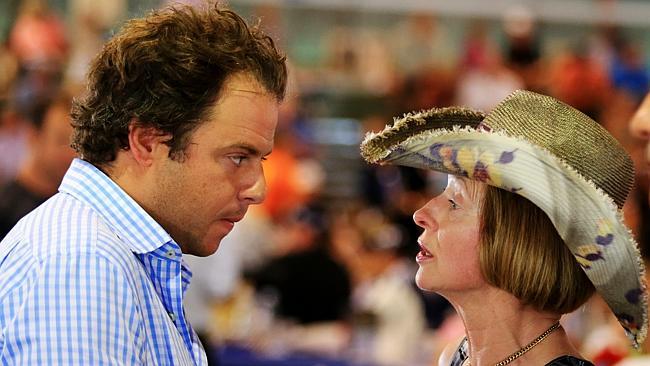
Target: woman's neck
498, 325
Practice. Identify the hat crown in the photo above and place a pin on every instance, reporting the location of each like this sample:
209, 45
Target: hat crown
571, 136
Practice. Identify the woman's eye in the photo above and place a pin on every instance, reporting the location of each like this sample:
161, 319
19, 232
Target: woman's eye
453, 204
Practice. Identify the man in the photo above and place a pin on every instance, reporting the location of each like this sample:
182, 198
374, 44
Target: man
640, 127
48, 158
181, 110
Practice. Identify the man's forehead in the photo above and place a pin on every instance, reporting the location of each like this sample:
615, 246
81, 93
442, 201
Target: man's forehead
243, 82
244, 91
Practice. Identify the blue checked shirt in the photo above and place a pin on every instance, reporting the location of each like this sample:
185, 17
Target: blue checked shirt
89, 278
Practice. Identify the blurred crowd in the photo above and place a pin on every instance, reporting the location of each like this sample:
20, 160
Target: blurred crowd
318, 269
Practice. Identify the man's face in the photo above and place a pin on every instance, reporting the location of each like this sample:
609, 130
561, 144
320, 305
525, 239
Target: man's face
640, 126
199, 198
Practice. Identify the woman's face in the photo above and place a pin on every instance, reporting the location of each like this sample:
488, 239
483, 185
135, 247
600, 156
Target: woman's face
449, 253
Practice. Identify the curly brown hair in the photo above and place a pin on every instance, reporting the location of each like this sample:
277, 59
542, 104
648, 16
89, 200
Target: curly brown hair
165, 71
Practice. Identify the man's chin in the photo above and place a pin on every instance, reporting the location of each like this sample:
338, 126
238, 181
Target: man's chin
202, 248
208, 247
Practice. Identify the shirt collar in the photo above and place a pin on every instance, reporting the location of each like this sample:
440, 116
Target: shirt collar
130, 222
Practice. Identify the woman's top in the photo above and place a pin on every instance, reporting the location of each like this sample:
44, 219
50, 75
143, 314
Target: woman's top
462, 353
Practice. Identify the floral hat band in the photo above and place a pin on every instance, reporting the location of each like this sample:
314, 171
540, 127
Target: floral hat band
553, 155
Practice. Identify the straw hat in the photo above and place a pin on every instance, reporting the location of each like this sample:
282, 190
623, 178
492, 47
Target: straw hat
555, 156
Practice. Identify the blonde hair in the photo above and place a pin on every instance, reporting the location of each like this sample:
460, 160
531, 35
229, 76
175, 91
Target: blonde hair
522, 253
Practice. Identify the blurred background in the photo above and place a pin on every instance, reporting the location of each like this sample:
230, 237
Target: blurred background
322, 273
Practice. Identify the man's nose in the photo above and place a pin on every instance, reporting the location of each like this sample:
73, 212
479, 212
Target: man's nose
255, 193
640, 122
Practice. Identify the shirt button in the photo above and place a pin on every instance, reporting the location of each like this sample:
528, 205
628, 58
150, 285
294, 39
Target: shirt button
172, 316
170, 254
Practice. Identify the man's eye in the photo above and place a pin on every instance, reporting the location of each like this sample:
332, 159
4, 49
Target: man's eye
237, 159
453, 204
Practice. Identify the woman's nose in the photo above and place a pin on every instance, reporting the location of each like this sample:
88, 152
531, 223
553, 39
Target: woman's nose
424, 216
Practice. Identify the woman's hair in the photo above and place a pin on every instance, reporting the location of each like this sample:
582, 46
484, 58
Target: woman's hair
522, 253
165, 71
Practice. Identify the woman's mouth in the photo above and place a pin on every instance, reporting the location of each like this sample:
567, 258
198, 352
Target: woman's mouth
424, 254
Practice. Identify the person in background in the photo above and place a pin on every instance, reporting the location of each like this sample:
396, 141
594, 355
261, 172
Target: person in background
38, 37
491, 73
628, 72
13, 141
579, 81
49, 156
528, 228
310, 286
180, 111
388, 315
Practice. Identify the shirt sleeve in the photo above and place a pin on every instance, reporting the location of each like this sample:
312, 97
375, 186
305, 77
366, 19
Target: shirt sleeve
74, 310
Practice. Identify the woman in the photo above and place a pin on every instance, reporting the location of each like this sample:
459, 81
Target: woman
528, 227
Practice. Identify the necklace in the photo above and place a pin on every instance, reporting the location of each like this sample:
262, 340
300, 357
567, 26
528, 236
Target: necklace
527, 347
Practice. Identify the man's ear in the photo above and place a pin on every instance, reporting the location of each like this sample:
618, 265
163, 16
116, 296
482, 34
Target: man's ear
146, 143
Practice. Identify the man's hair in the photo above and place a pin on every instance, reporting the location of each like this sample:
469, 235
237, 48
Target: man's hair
165, 71
522, 253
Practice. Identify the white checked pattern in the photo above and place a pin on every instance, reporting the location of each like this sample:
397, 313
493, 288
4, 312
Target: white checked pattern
89, 278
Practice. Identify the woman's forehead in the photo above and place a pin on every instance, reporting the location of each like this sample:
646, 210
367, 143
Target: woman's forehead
466, 186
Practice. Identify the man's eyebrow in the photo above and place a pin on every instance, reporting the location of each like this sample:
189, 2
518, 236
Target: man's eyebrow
249, 149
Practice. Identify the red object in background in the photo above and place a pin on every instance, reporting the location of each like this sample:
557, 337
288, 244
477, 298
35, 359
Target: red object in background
608, 357
39, 38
